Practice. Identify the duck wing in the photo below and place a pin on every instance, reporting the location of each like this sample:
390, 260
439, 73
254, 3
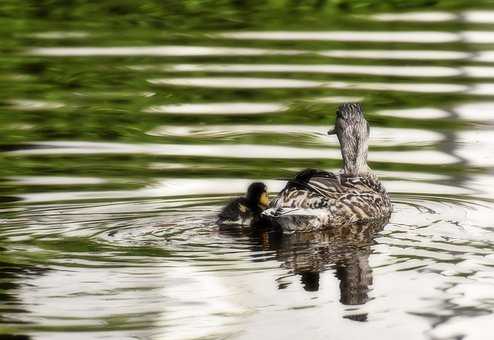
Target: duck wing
310, 189
315, 199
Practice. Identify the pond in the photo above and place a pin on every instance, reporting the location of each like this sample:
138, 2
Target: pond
125, 128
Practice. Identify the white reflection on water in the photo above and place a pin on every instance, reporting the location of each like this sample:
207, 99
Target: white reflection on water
417, 113
423, 37
322, 317
397, 54
415, 16
218, 108
233, 108
203, 307
403, 186
478, 71
476, 111
266, 83
484, 56
181, 302
465, 327
33, 105
378, 36
481, 17
205, 51
58, 35
57, 293
228, 151
478, 17
476, 146
238, 83
53, 180
394, 71
212, 51
336, 99
379, 136
399, 87
485, 89
113, 94
477, 37
164, 51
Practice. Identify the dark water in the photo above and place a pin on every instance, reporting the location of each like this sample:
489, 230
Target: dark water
122, 138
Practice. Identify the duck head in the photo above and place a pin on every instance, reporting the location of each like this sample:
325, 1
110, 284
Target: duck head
257, 195
352, 131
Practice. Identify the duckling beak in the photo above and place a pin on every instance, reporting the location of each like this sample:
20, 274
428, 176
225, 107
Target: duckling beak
332, 131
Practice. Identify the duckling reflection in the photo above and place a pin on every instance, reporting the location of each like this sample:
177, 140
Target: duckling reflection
345, 249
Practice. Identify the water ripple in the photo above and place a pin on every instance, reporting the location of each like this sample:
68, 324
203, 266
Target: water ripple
226, 150
424, 37
34, 105
378, 136
159, 51
132, 141
439, 55
218, 108
393, 71
286, 83
477, 17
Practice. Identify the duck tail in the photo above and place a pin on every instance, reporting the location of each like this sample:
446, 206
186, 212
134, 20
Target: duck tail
277, 212
296, 219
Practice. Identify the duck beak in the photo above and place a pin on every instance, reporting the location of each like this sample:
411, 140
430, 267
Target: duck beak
332, 131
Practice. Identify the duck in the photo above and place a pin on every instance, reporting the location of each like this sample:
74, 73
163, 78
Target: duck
317, 199
243, 210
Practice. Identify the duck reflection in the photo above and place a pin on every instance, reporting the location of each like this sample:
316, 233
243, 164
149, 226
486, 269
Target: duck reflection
345, 250
11, 306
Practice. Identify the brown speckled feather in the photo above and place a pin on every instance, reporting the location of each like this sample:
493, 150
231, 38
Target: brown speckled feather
348, 199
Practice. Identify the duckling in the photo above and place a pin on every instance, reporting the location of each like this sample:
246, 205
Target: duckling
317, 199
243, 209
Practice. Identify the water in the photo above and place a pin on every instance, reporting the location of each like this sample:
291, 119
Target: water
121, 139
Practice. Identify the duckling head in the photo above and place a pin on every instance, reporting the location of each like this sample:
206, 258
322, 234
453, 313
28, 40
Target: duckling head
352, 131
257, 195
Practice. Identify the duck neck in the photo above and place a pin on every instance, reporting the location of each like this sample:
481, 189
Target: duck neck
354, 154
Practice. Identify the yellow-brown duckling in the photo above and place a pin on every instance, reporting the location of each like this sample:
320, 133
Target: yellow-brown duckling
243, 209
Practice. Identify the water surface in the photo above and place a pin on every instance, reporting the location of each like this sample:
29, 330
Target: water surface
122, 139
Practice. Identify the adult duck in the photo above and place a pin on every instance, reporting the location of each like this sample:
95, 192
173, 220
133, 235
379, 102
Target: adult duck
317, 199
